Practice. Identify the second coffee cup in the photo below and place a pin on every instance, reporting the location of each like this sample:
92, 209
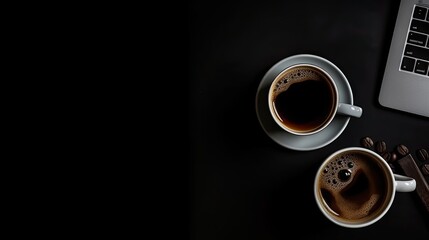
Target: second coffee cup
355, 187
303, 99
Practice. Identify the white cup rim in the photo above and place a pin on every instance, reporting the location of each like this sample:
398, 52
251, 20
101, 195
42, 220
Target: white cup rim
327, 122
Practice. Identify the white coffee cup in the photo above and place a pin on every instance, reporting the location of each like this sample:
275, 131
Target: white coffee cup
355, 187
303, 99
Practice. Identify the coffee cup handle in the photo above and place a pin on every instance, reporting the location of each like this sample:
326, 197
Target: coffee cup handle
349, 110
404, 183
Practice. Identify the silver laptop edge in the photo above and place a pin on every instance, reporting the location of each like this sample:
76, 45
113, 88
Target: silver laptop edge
402, 90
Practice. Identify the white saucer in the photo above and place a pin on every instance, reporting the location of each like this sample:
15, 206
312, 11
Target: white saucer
309, 142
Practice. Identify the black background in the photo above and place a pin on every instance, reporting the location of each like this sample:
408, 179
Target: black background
243, 185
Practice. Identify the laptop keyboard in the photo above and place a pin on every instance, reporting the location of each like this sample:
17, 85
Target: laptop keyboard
416, 52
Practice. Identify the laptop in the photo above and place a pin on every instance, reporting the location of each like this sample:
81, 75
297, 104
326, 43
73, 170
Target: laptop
405, 83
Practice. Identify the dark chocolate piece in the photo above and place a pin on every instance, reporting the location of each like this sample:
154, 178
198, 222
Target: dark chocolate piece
410, 168
425, 169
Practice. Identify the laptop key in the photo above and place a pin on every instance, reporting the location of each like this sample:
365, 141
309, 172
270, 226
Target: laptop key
421, 67
417, 52
419, 26
420, 13
407, 64
417, 38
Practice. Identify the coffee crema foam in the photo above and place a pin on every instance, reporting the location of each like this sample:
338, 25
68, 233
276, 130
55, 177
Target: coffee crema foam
295, 76
359, 196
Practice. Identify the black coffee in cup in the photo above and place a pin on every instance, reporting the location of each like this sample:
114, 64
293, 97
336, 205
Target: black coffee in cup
354, 187
304, 98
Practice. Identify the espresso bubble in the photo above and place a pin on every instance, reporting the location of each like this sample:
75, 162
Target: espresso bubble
344, 174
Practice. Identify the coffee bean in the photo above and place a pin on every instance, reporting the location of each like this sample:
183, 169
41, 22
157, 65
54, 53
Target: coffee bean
387, 156
380, 146
367, 142
425, 169
393, 157
422, 154
402, 150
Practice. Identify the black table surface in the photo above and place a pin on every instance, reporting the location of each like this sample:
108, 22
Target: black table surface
243, 185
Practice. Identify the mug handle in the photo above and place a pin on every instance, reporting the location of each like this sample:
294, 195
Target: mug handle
349, 110
404, 183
